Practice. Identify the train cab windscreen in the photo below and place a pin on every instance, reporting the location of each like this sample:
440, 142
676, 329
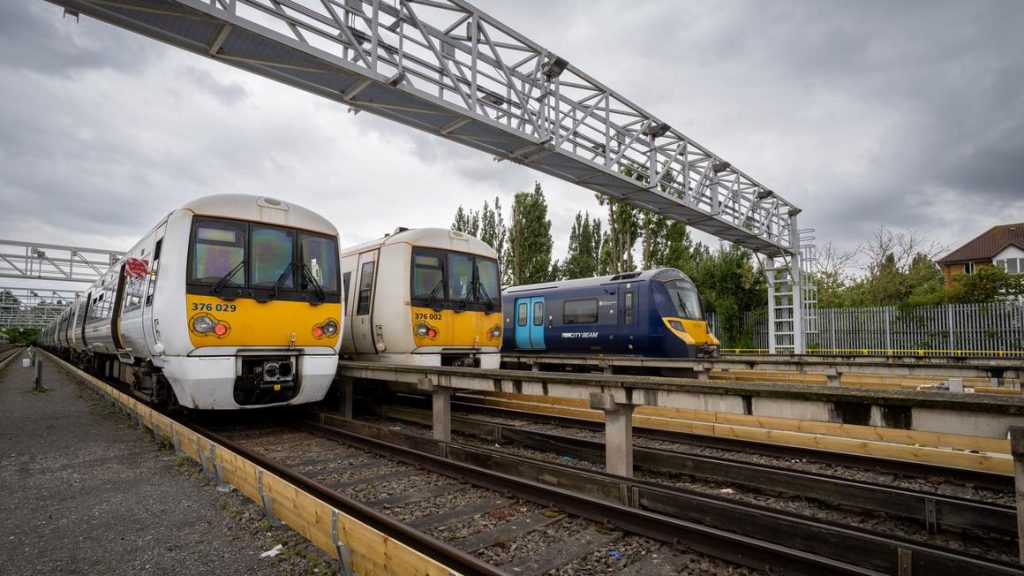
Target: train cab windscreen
235, 254
684, 298
453, 280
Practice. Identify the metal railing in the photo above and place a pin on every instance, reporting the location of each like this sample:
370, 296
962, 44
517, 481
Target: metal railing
995, 330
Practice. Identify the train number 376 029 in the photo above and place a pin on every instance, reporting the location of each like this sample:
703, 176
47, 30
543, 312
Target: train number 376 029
206, 307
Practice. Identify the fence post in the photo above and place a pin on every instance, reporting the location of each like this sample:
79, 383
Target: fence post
888, 331
949, 321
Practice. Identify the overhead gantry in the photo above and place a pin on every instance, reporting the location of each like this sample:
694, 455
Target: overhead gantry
446, 67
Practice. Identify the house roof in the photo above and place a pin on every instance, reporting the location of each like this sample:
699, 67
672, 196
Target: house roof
984, 247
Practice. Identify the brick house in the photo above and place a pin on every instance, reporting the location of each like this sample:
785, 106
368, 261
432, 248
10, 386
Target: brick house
1001, 246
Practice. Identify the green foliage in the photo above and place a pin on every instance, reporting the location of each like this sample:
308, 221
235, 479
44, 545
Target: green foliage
584, 248
620, 237
468, 222
730, 285
23, 336
988, 284
528, 257
493, 230
488, 225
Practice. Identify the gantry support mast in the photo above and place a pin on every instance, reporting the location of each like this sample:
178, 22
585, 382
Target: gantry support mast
447, 68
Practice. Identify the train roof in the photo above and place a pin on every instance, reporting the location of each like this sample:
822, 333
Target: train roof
261, 209
440, 238
621, 278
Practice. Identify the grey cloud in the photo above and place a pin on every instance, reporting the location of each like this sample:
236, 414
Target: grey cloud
909, 113
37, 37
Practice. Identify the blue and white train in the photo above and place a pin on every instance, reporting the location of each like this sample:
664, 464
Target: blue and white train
654, 313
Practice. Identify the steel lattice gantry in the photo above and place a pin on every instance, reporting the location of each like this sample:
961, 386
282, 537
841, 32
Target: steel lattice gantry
32, 307
446, 67
34, 261
58, 267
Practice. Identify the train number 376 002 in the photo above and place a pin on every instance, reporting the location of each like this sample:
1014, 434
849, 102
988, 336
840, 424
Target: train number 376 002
206, 307
425, 316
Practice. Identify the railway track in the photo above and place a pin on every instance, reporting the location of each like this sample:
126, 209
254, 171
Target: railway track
543, 518
933, 511
666, 513
494, 515
744, 448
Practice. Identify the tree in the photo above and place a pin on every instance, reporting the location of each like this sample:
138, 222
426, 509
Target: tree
988, 284
493, 229
730, 286
584, 248
468, 222
528, 257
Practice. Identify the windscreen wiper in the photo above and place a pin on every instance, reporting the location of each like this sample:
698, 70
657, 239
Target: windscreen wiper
481, 291
280, 282
227, 277
308, 275
438, 286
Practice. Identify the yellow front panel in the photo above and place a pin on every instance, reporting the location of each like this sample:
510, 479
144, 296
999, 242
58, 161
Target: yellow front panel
250, 323
695, 332
463, 329
697, 329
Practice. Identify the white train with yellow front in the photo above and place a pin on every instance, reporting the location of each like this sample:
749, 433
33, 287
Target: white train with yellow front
229, 302
426, 296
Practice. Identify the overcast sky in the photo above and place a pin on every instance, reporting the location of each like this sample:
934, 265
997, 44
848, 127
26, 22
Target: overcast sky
906, 114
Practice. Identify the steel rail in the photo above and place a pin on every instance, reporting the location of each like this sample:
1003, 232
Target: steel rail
874, 463
428, 545
738, 532
742, 549
931, 509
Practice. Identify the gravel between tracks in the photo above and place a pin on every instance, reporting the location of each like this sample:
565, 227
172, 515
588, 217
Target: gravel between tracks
611, 551
987, 545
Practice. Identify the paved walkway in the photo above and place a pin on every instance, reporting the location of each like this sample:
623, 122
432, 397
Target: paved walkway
83, 491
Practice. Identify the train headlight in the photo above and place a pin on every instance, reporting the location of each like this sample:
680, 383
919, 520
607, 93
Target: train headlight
203, 324
676, 325
494, 332
424, 330
330, 328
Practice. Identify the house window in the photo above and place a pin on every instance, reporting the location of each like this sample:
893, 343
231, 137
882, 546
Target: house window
1013, 265
969, 268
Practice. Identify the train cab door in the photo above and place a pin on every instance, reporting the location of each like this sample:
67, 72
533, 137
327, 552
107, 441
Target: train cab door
529, 330
362, 320
149, 327
628, 321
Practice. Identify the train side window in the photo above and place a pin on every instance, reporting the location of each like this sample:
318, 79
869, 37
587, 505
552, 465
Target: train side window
521, 314
365, 285
346, 278
580, 311
538, 313
627, 309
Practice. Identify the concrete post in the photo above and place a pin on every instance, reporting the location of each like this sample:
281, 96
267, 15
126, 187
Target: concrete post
37, 384
348, 399
1017, 449
442, 400
833, 377
618, 433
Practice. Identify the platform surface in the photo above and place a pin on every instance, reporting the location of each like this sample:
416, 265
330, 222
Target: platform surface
85, 492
